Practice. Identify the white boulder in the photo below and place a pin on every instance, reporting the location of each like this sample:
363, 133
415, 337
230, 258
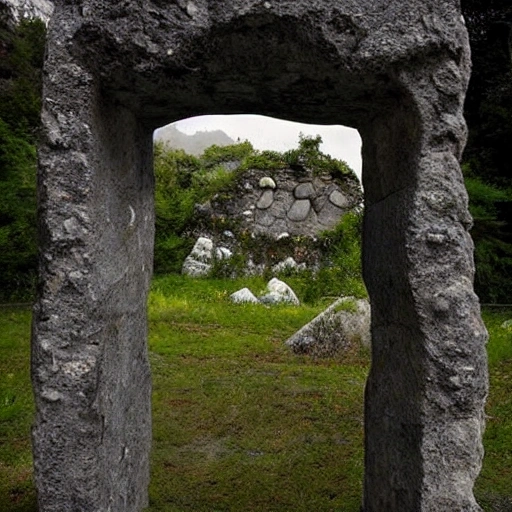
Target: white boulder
199, 262
343, 324
223, 253
243, 296
277, 292
267, 182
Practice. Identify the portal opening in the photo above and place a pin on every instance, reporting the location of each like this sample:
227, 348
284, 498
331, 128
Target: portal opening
231, 401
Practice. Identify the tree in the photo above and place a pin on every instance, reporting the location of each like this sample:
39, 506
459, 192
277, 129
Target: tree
20, 104
488, 106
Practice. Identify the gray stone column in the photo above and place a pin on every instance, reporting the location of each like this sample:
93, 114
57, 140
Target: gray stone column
90, 370
428, 380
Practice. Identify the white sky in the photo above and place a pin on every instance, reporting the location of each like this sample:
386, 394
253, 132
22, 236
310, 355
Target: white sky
278, 135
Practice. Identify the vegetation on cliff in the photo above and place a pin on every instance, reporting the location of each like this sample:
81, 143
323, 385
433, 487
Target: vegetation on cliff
184, 182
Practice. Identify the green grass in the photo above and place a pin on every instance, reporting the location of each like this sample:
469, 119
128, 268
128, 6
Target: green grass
240, 423
17, 493
493, 487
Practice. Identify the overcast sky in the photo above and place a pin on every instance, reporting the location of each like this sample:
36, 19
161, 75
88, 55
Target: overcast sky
275, 134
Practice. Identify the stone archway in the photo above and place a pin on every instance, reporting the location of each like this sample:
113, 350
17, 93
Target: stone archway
397, 71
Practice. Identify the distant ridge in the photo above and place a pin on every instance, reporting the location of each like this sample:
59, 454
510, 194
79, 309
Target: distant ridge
192, 144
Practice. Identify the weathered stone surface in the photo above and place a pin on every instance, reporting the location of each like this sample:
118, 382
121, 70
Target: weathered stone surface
339, 200
304, 191
199, 262
266, 199
247, 198
203, 249
18, 10
114, 71
243, 296
329, 215
283, 200
300, 210
264, 218
319, 203
195, 268
223, 253
298, 219
278, 291
343, 325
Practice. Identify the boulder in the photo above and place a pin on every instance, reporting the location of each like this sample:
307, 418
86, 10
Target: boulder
304, 191
277, 292
18, 10
342, 325
203, 249
223, 253
243, 296
339, 200
199, 262
266, 199
300, 210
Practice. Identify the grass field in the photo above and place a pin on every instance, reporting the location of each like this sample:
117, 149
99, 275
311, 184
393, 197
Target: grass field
240, 423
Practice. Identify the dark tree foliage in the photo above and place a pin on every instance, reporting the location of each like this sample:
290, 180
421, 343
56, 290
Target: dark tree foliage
21, 56
488, 162
488, 107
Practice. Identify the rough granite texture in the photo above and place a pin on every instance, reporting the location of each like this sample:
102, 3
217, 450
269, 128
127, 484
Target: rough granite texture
13, 11
397, 71
343, 325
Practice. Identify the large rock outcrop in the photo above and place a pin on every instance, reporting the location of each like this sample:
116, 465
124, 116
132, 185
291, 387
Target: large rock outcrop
286, 201
272, 220
115, 71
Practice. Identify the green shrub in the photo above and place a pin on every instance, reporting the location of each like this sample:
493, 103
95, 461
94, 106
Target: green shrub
308, 155
264, 160
341, 270
20, 104
493, 240
20, 96
174, 206
215, 155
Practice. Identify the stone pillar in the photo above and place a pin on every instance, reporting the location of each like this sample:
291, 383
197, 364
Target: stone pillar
90, 370
428, 381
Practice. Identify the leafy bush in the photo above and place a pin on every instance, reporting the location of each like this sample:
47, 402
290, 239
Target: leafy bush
308, 155
265, 160
174, 206
18, 240
20, 104
215, 155
493, 240
341, 271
